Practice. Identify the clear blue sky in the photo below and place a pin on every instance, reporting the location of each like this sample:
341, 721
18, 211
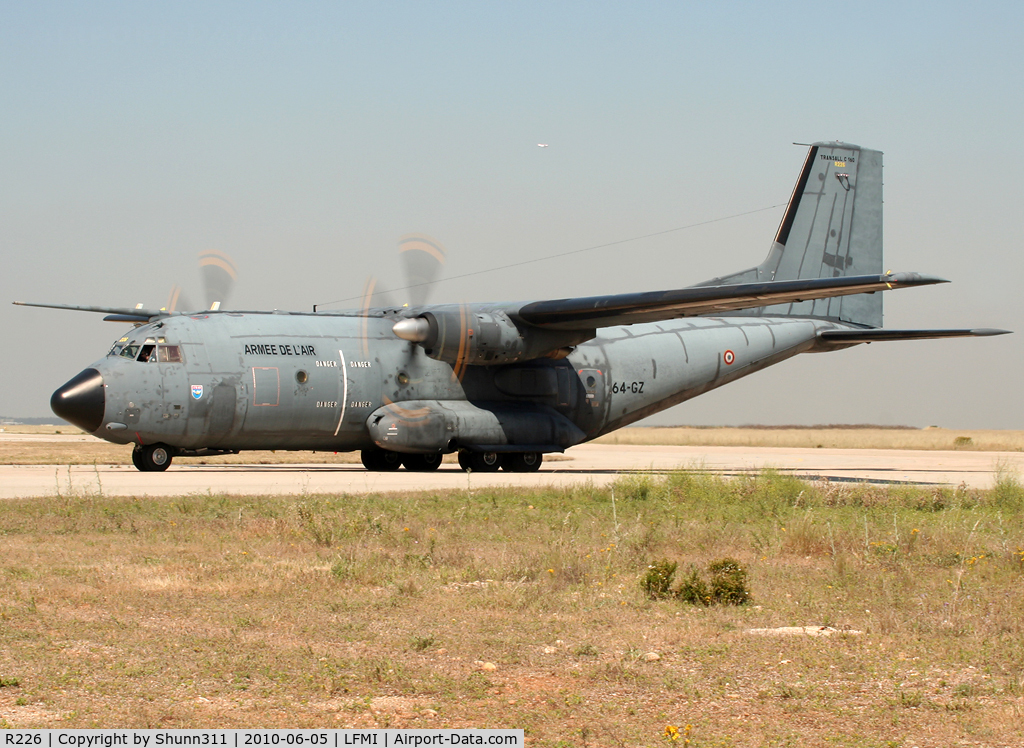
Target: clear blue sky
304, 138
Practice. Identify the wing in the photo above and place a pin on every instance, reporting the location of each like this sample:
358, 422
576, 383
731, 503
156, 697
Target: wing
138, 315
653, 306
114, 314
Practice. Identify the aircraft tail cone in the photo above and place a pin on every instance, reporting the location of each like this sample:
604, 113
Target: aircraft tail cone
81, 401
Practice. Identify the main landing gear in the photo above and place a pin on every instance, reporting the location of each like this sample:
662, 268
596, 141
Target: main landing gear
382, 460
522, 462
421, 463
510, 462
152, 458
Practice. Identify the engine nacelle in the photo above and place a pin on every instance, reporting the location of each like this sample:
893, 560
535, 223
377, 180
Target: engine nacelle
461, 336
432, 426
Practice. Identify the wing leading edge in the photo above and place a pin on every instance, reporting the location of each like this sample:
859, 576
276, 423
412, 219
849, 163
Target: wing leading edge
115, 314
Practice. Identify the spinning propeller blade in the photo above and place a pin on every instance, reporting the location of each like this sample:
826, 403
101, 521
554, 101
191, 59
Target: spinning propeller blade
219, 274
422, 258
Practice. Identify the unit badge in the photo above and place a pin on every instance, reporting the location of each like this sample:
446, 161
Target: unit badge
197, 391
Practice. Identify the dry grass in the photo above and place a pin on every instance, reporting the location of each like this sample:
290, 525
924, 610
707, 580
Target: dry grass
378, 610
831, 437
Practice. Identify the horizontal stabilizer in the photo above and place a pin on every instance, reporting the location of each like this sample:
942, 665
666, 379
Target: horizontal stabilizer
632, 308
849, 337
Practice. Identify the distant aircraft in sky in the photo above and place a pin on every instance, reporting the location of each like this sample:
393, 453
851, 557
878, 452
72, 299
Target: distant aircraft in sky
542, 145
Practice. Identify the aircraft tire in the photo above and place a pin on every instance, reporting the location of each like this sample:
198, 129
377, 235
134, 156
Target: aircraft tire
153, 458
421, 463
480, 462
380, 460
522, 462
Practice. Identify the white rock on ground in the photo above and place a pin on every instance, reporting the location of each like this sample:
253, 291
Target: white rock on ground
803, 631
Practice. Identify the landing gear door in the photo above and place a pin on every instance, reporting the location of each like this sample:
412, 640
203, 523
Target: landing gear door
566, 391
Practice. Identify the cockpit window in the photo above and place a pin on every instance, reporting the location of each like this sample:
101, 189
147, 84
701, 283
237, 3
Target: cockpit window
149, 351
115, 349
169, 354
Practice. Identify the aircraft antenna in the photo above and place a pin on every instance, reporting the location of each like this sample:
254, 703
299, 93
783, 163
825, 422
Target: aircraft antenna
570, 252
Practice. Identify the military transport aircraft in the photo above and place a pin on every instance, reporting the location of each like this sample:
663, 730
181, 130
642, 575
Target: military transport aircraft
500, 383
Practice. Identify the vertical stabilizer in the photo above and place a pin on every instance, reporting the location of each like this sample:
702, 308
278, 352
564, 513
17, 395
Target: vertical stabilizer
831, 228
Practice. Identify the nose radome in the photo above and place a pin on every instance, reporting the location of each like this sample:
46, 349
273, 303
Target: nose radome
81, 401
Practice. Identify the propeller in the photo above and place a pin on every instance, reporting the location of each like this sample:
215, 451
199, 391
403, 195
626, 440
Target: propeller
218, 272
421, 257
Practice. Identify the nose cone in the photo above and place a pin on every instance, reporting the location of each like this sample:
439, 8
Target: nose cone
81, 401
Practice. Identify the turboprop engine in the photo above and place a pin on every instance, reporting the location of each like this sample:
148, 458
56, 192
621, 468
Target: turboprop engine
462, 336
432, 426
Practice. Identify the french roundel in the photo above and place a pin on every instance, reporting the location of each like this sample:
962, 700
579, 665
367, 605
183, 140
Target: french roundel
728, 357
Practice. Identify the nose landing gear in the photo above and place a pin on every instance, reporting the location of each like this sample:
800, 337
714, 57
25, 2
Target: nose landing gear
152, 457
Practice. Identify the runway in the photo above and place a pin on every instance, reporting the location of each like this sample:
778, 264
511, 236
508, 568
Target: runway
597, 463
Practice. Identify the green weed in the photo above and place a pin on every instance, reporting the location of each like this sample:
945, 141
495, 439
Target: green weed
421, 643
724, 583
657, 582
1008, 492
314, 520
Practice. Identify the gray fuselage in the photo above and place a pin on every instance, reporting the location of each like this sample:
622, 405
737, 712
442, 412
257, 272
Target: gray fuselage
310, 382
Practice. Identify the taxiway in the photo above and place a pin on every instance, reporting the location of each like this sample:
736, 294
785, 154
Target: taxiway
598, 463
